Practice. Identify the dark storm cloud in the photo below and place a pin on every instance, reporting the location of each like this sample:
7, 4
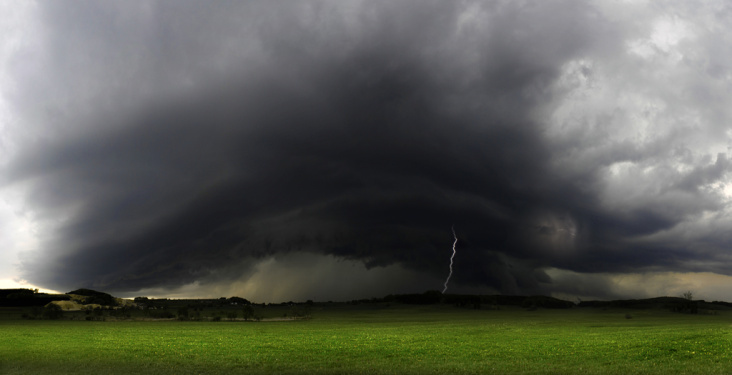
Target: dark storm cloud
359, 131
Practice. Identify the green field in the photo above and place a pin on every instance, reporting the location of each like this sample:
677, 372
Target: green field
380, 340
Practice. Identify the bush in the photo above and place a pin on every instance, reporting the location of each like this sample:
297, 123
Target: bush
53, 311
95, 297
239, 300
545, 302
248, 312
300, 311
430, 297
183, 313
161, 314
123, 312
232, 315
464, 301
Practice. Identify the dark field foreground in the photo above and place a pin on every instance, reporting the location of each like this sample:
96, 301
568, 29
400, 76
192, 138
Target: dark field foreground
380, 339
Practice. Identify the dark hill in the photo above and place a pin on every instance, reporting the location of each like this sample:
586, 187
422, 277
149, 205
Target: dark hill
671, 303
95, 297
28, 297
433, 297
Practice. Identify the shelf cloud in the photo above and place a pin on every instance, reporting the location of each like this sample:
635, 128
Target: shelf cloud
165, 145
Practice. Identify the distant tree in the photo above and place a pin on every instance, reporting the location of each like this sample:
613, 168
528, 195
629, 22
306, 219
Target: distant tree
300, 311
430, 297
99, 314
123, 312
35, 313
248, 312
688, 304
53, 311
239, 300
95, 297
182, 313
161, 314
476, 302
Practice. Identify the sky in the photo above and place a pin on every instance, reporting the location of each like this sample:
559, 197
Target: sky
324, 150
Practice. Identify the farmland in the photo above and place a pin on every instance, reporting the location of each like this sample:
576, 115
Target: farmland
380, 339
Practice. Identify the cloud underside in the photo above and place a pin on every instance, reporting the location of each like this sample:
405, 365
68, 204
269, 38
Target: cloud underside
552, 136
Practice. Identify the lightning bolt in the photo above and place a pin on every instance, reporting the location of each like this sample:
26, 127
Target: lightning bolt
451, 257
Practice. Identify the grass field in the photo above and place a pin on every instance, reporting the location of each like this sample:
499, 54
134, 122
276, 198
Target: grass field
388, 340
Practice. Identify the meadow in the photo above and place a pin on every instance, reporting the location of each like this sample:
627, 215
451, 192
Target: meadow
380, 339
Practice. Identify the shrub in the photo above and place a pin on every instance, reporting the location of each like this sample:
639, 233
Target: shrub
300, 311
182, 313
95, 297
161, 314
248, 312
239, 300
123, 312
52, 311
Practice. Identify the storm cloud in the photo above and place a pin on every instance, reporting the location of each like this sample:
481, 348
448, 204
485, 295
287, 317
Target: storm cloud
167, 144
